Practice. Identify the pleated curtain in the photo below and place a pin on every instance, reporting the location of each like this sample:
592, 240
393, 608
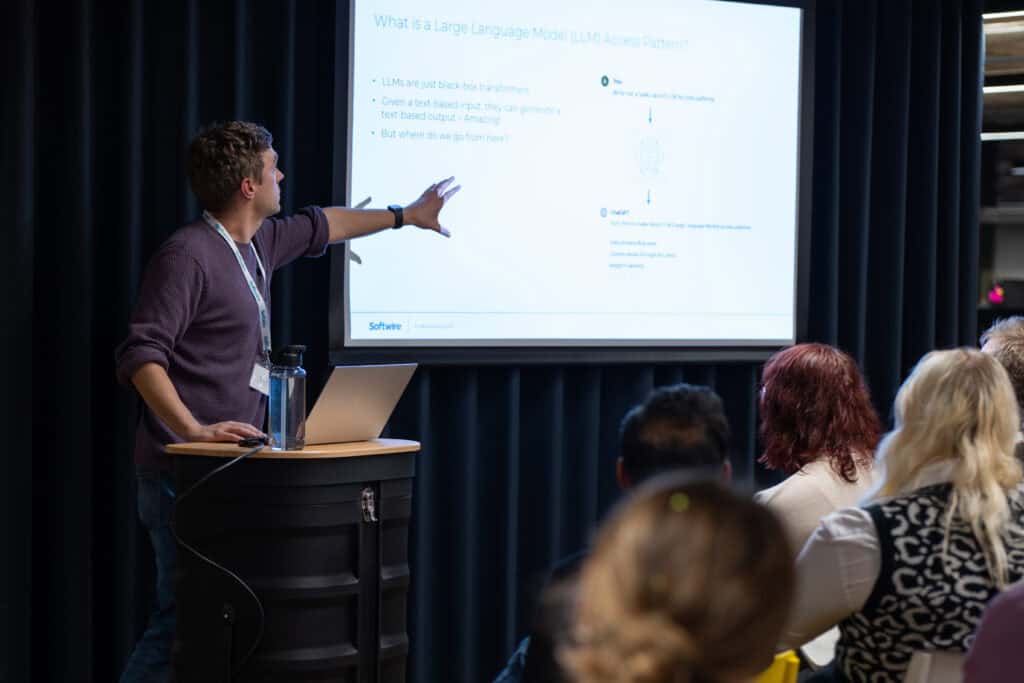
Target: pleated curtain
100, 100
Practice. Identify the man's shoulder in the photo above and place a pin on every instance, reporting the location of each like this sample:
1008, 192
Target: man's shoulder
191, 235
193, 240
282, 239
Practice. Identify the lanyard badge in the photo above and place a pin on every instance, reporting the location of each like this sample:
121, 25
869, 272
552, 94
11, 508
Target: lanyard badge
260, 303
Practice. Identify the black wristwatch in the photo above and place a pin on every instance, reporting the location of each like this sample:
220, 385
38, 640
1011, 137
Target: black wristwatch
399, 215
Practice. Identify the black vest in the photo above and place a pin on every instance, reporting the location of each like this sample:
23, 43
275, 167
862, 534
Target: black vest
922, 600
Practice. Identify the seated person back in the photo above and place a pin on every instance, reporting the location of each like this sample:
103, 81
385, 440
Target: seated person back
1004, 340
687, 582
996, 650
914, 569
819, 427
679, 427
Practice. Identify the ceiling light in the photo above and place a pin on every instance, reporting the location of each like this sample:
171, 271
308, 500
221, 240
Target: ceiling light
1000, 89
1008, 135
994, 16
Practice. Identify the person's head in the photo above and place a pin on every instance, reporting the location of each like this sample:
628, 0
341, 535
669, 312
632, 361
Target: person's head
1005, 340
234, 164
958, 407
682, 426
815, 404
687, 581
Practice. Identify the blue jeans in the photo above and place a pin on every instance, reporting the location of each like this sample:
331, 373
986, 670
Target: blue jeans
151, 659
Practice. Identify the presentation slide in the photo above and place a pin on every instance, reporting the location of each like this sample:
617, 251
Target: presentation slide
629, 172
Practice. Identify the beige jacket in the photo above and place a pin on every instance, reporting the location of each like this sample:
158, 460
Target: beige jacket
808, 495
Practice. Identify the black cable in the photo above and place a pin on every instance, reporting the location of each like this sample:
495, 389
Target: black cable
174, 530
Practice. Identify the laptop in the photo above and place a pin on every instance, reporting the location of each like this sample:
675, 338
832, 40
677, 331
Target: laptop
356, 402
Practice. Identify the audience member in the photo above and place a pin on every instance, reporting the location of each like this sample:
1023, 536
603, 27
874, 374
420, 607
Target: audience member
914, 569
1004, 339
687, 582
818, 426
996, 650
679, 427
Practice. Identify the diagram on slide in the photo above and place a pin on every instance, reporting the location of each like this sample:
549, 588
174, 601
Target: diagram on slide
629, 173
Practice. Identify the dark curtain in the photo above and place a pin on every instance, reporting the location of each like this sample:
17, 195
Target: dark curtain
100, 100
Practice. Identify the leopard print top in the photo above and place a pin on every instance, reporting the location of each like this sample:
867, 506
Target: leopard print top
921, 600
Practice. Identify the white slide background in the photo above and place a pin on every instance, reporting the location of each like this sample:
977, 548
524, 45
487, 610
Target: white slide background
661, 206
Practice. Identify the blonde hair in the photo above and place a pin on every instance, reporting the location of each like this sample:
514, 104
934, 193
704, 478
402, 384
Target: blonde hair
687, 582
958, 406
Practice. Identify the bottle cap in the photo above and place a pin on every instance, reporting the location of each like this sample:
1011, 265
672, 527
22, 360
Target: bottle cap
291, 356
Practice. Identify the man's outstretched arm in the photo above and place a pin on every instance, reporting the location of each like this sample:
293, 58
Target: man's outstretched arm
345, 224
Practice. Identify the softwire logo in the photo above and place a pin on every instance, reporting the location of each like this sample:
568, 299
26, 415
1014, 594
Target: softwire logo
385, 327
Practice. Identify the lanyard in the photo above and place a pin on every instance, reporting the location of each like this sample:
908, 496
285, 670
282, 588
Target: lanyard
260, 303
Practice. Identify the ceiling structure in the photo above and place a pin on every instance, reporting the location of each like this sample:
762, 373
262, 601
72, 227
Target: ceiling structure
1004, 72
1003, 118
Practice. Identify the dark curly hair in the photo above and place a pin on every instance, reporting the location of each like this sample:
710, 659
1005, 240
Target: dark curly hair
221, 155
814, 404
678, 426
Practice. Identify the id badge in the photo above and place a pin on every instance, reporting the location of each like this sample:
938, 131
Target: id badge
260, 379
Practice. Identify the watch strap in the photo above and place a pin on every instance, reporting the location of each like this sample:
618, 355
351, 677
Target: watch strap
399, 215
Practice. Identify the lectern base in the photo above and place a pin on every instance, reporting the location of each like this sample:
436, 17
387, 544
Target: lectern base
320, 551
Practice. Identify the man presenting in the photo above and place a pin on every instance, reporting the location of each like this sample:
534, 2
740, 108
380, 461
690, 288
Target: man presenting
198, 345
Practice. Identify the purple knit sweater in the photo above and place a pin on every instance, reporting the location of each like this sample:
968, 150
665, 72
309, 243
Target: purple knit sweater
196, 317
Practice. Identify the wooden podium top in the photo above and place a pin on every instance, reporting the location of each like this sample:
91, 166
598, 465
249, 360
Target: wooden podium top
353, 449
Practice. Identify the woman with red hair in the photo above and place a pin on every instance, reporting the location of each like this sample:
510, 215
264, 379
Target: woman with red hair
819, 427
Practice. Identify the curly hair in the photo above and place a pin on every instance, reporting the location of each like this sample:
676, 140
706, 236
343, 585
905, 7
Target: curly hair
221, 155
1005, 341
814, 404
678, 426
687, 582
